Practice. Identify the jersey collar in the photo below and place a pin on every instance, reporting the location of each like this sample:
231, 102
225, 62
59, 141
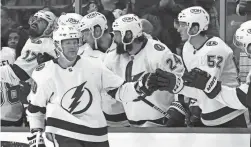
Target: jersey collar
56, 61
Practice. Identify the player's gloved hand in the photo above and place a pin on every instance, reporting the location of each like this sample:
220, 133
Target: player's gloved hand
167, 81
202, 80
177, 115
244, 7
41, 58
36, 139
147, 84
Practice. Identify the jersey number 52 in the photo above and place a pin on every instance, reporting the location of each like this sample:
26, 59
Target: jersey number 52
214, 61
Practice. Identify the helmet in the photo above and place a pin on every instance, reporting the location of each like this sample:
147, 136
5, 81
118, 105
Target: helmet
242, 39
246, 24
128, 22
72, 19
92, 20
195, 14
64, 33
47, 16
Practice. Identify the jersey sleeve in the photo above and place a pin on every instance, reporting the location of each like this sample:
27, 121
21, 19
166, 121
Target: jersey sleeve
41, 91
8, 75
116, 87
236, 98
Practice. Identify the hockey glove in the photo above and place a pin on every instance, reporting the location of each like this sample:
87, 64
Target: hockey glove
200, 79
41, 58
177, 115
167, 81
147, 84
244, 7
36, 139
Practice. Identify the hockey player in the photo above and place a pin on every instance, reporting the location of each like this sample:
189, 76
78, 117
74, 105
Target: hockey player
216, 58
39, 43
11, 107
134, 56
95, 30
69, 89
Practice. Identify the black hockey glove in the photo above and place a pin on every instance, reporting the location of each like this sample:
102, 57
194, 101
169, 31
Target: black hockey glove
41, 58
167, 81
202, 80
147, 84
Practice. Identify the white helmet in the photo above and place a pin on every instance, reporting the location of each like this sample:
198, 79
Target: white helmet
195, 14
128, 22
47, 16
71, 19
242, 39
246, 24
90, 21
64, 33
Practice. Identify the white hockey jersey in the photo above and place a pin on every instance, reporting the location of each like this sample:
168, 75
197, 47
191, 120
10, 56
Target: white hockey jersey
216, 58
72, 98
27, 62
113, 110
153, 55
11, 107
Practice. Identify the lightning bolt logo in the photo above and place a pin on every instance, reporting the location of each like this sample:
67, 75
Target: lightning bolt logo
76, 96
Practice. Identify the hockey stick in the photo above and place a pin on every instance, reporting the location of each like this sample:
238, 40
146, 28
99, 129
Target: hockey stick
143, 98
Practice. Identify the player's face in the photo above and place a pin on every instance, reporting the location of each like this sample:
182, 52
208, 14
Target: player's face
87, 37
70, 48
13, 40
37, 26
182, 29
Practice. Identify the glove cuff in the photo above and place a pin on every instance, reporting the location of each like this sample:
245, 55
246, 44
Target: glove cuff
212, 82
179, 85
216, 90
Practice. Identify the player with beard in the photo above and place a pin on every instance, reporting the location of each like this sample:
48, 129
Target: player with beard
67, 93
98, 40
38, 48
135, 55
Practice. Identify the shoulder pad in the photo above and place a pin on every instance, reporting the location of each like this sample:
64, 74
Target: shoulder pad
212, 43
159, 47
40, 67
